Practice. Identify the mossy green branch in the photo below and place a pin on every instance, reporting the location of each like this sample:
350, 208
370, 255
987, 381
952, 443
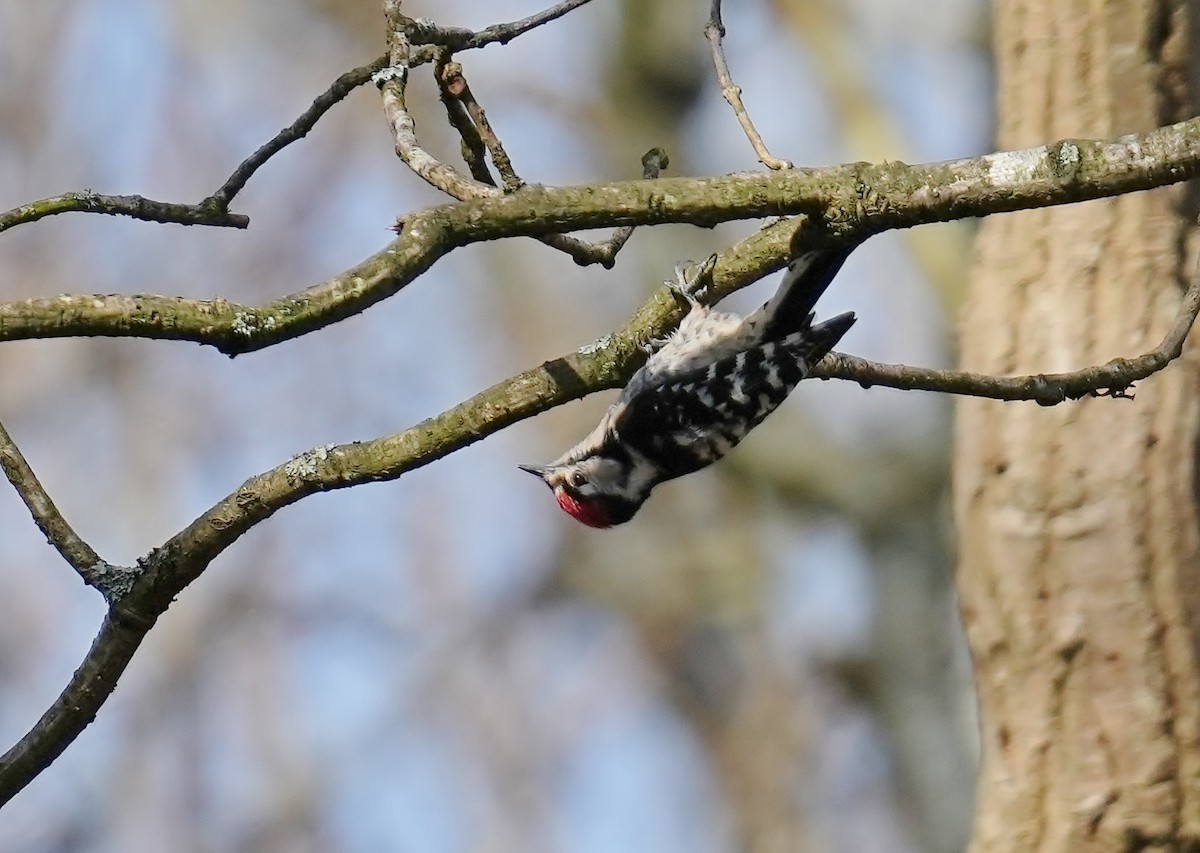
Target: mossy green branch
849, 201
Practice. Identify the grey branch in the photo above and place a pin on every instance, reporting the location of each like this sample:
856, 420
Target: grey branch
714, 31
426, 32
1111, 379
848, 201
45, 514
470, 120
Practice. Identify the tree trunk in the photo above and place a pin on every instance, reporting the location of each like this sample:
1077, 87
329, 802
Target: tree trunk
1078, 524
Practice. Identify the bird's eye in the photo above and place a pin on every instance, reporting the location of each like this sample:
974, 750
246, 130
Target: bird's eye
578, 480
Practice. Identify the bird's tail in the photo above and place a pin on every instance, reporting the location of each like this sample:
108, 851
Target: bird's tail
807, 277
822, 337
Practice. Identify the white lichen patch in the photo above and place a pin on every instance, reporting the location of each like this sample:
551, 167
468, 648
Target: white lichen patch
1009, 167
304, 465
1068, 157
246, 323
392, 72
596, 345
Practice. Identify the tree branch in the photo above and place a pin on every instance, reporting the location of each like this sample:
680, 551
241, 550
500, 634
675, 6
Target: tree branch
1114, 378
849, 202
393, 85
214, 210
45, 514
842, 203
297, 130
424, 31
166, 571
90, 686
607, 363
133, 206
714, 31
472, 123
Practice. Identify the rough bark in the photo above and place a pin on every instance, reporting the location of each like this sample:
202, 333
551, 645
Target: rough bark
1078, 524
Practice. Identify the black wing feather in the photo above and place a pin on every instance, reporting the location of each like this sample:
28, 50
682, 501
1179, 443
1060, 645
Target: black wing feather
697, 418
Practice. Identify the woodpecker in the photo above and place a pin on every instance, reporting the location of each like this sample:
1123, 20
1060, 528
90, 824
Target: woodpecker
702, 389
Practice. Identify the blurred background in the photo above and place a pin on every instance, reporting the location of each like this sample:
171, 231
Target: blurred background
768, 658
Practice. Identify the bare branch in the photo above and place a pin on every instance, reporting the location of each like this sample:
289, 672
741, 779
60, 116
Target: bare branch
134, 206
425, 32
1111, 379
478, 139
337, 92
474, 151
214, 210
454, 88
166, 571
90, 686
714, 31
653, 163
850, 202
843, 203
393, 86
45, 514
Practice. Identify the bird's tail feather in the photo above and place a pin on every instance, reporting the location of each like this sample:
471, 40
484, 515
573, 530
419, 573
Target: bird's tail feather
807, 277
823, 336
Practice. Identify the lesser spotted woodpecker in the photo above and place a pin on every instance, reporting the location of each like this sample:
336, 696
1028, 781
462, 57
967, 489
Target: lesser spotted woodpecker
715, 378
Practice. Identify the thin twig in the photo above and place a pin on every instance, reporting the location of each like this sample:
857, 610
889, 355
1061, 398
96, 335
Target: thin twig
1111, 379
393, 86
134, 206
654, 162
714, 31
45, 514
214, 210
337, 92
422, 31
454, 85
478, 140
474, 152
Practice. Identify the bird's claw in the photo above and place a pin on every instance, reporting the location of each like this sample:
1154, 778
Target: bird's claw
689, 288
653, 345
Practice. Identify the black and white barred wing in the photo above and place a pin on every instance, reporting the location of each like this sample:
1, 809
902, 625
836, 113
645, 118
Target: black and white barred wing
693, 420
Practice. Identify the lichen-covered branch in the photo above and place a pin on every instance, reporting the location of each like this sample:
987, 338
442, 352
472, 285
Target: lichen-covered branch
133, 206
846, 202
606, 363
166, 571
214, 210
1112, 379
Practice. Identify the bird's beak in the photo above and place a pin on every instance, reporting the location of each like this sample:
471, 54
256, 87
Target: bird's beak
539, 471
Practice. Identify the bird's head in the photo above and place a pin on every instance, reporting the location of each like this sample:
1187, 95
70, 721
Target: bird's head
594, 490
